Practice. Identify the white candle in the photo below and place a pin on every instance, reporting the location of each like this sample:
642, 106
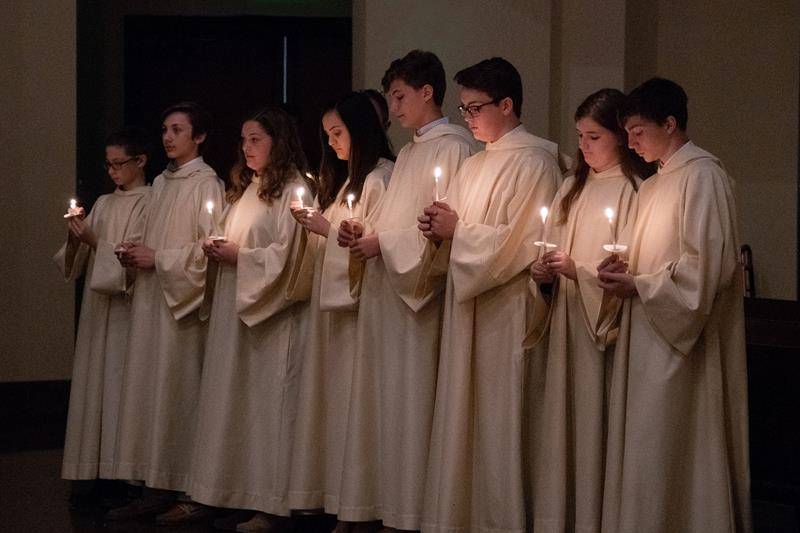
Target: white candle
437, 173
210, 209
543, 213
73, 204
350, 198
610, 216
300, 192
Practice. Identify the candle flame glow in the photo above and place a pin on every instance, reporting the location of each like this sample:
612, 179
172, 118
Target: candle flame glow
73, 203
210, 207
437, 173
350, 199
609, 214
543, 213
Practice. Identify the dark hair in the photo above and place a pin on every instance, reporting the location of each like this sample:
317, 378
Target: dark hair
368, 143
199, 118
379, 101
602, 107
134, 140
496, 77
418, 69
657, 99
286, 158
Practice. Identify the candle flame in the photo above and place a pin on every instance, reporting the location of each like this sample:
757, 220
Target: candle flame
73, 203
210, 207
609, 214
300, 192
437, 173
350, 198
309, 176
543, 213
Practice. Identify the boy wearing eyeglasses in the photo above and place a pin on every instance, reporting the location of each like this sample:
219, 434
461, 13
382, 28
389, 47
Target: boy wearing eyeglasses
483, 235
105, 311
394, 379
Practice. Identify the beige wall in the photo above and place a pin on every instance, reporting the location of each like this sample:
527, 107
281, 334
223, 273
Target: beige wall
739, 62
37, 162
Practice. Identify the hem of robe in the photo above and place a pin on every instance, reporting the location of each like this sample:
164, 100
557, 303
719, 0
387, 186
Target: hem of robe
302, 500
430, 527
407, 522
332, 504
239, 500
82, 471
152, 479
542, 525
368, 513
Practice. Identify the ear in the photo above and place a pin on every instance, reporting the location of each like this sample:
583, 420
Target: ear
507, 106
427, 92
141, 161
670, 125
200, 139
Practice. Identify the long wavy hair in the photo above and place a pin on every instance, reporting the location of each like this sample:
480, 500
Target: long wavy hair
286, 158
603, 107
368, 143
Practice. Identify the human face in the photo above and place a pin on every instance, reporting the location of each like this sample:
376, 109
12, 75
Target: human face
176, 135
649, 139
338, 134
407, 104
490, 121
256, 146
130, 171
599, 145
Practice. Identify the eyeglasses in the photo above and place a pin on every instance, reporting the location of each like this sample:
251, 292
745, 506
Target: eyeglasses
116, 165
474, 110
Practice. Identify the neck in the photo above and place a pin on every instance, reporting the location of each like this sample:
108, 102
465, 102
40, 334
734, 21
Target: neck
138, 182
675, 143
431, 114
508, 126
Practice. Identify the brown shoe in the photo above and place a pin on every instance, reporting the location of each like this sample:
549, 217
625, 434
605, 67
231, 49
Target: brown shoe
139, 508
185, 513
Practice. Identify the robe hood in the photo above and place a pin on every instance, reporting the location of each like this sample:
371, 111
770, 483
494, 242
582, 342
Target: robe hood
519, 138
197, 167
686, 154
441, 130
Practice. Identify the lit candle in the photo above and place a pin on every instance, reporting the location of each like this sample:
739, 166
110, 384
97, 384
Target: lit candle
437, 173
72, 210
73, 204
210, 209
300, 192
543, 213
610, 216
350, 198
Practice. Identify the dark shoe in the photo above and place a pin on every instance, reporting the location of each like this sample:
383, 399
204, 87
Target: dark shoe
140, 508
229, 522
186, 513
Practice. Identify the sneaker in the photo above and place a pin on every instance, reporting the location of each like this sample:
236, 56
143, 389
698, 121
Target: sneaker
186, 513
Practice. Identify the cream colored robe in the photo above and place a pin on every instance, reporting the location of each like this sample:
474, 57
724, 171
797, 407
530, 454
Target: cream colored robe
677, 436
397, 339
248, 395
475, 478
102, 334
327, 369
161, 378
568, 484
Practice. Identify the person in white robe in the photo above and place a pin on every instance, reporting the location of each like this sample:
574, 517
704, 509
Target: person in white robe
102, 336
248, 395
677, 433
161, 375
355, 170
397, 336
568, 485
483, 236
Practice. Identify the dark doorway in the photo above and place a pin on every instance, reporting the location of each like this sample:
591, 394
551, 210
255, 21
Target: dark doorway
233, 66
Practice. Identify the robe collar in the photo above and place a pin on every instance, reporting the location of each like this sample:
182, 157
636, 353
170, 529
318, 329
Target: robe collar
184, 171
440, 130
686, 154
144, 189
519, 138
612, 172
430, 125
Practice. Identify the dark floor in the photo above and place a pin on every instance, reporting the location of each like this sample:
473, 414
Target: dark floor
34, 499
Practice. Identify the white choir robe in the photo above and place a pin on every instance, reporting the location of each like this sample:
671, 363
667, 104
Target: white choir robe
677, 431
102, 337
161, 378
327, 368
476, 477
568, 485
248, 395
397, 340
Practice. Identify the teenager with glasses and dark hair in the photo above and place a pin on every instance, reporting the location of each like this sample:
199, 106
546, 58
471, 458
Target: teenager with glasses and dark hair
677, 455
354, 173
397, 336
161, 379
483, 235
91, 437
569, 467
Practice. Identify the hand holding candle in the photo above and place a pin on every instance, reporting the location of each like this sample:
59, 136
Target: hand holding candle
73, 210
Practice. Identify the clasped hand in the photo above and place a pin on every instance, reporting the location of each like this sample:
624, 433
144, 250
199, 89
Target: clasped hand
221, 251
613, 277
438, 222
136, 255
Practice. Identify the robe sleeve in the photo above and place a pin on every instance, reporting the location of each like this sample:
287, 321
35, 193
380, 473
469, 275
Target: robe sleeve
484, 257
108, 275
678, 299
402, 249
263, 275
182, 271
